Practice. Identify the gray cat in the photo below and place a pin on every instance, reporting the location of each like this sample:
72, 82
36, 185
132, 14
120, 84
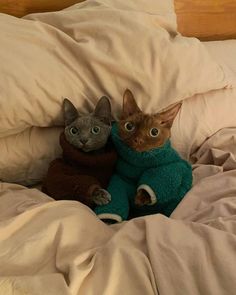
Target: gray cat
88, 156
88, 132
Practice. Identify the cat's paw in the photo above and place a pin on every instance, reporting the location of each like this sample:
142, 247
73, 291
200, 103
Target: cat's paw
101, 197
142, 198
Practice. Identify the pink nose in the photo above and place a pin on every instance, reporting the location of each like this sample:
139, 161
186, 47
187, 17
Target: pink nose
138, 141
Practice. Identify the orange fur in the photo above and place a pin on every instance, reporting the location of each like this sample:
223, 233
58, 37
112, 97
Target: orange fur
140, 138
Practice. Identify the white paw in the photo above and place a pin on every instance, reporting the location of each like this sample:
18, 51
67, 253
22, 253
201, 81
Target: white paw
101, 197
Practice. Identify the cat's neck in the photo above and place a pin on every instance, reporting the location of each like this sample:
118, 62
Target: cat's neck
74, 156
154, 157
95, 152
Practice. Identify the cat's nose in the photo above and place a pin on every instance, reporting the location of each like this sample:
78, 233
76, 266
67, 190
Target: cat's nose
83, 140
138, 141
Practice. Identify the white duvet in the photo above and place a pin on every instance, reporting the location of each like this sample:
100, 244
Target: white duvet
61, 247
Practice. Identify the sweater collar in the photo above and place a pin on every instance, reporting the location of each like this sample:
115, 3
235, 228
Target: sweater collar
150, 158
76, 156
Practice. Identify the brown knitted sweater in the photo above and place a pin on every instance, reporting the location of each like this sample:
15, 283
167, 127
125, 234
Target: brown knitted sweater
74, 175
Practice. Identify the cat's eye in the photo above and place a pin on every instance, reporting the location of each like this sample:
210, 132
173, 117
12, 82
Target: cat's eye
95, 130
154, 132
74, 130
129, 126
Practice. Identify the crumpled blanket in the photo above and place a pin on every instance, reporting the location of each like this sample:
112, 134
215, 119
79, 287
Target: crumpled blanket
49, 247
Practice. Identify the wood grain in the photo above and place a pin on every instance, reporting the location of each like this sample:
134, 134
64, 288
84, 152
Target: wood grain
207, 19
22, 7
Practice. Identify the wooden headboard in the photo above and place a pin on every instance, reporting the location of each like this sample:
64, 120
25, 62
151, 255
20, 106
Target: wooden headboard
207, 19
22, 7
204, 19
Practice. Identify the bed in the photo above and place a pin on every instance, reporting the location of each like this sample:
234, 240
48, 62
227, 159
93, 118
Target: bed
49, 247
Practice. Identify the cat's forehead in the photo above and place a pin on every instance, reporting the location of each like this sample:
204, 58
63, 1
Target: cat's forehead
151, 121
144, 119
88, 120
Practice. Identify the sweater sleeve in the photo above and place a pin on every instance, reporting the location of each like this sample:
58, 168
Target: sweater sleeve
118, 208
62, 183
167, 183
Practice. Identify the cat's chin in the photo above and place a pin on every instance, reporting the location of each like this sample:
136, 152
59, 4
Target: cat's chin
140, 149
136, 148
86, 150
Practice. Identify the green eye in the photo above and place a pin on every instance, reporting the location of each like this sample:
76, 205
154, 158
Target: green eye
129, 126
154, 132
74, 130
95, 130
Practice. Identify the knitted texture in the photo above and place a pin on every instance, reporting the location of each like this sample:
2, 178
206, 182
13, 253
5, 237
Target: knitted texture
72, 176
162, 170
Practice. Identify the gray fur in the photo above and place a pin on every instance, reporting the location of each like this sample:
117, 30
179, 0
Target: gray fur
85, 139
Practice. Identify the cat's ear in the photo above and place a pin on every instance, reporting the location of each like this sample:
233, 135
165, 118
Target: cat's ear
70, 112
103, 110
130, 106
167, 117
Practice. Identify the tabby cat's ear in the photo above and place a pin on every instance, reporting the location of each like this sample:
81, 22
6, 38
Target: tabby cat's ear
167, 117
70, 112
130, 106
103, 110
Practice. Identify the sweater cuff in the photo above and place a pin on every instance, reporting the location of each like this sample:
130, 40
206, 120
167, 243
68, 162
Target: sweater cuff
151, 193
111, 216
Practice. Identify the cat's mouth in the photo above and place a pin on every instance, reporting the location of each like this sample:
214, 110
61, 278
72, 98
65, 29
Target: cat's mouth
140, 149
86, 149
137, 147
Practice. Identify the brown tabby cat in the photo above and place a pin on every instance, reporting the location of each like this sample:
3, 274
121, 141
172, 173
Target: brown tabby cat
144, 132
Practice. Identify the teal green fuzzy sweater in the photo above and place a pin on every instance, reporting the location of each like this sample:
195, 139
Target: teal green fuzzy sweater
161, 172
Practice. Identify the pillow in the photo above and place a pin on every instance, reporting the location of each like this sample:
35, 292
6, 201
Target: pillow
203, 115
200, 117
35, 148
25, 156
94, 48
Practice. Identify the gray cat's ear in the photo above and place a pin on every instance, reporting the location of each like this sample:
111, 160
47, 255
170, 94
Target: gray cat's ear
70, 112
130, 106
103, 110
167, 117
